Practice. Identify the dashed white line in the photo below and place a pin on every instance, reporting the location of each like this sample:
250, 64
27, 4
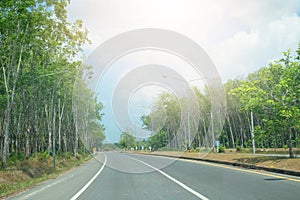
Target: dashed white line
197, 194
90, 182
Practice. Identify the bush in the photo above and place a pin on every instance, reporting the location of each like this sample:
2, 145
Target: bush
67, 155
43, 155
239, 149
17, 157
221, 149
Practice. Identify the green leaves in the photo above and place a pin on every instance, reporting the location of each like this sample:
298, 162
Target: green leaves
273, 94
38, 65
127, 140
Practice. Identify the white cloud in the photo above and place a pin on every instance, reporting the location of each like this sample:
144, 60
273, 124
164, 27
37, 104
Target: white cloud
105, 18
248, 51
240, 36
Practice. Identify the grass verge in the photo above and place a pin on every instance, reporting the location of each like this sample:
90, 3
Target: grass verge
283, 163
24, 173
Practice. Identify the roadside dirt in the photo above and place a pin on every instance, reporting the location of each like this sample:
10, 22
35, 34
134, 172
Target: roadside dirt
23, 174
292, 164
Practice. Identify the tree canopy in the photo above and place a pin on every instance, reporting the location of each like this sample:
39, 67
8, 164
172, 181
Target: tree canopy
272, 94
39, 51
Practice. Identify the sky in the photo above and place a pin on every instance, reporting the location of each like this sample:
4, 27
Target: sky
239, 37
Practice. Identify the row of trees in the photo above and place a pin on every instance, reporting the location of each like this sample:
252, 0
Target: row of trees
40, 69
272, 94
268, 97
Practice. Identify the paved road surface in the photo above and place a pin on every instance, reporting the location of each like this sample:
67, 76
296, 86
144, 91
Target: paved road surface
119, 176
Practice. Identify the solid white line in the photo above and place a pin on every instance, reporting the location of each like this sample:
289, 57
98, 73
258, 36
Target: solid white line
197, 194
223, 166
90, 182
48, 186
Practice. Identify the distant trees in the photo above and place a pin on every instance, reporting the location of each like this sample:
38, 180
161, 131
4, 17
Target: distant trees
38, 49
127, 140
272, 94
164, 122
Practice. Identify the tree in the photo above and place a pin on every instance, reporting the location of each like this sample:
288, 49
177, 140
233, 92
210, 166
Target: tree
273, 94
127, 140
39, 66
268, 97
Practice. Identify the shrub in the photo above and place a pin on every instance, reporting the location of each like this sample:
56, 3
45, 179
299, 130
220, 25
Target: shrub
17, 157
43, 155
221, 149
239, 149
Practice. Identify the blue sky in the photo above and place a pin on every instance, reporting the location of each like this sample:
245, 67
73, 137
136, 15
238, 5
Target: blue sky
239, 36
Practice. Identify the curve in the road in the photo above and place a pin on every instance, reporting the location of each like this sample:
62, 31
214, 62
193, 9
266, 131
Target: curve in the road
91, 181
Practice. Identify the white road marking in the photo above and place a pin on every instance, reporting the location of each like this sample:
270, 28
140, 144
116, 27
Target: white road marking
197, 194
90, 182
48, 186
269, 174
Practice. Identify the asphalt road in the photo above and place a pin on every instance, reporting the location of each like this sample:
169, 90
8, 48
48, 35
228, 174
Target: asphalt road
113, 175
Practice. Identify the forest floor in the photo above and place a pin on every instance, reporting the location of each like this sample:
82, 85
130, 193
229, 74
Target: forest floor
20, 175
284, 163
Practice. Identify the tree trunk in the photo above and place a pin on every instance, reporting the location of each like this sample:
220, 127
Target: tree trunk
231, 132
48, 129
6, 133
61, 112
13, 69
290, 144
27, 150
75, 146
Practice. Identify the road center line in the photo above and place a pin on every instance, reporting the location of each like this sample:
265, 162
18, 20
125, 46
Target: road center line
197, 194
90, 182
